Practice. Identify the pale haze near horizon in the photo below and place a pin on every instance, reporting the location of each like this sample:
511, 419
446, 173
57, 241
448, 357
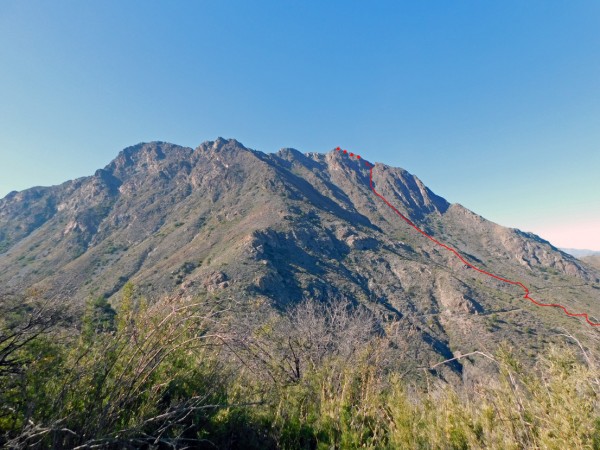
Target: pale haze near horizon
493, 105
582, 235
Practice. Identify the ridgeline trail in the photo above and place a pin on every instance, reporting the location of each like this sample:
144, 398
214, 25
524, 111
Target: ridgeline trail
458, 255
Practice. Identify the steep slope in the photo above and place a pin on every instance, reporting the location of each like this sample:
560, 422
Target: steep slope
592, 260
277, 228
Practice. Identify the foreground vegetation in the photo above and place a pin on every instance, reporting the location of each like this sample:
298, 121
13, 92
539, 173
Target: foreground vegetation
208, 374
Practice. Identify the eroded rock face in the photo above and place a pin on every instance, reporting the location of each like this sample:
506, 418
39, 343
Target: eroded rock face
267, 280
215, 280
353, 240
455, 297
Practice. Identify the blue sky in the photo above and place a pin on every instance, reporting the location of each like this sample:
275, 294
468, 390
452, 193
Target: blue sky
495, 105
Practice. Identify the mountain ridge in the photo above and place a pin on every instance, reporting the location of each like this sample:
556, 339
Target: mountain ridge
579, 252
277, 228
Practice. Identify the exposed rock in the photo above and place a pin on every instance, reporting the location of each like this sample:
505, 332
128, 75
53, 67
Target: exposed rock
455, 297
215, 280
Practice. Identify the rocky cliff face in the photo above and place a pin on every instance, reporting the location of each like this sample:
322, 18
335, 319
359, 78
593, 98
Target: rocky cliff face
277, 228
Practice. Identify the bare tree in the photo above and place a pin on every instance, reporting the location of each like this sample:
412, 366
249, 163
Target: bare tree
304, 337
22, 320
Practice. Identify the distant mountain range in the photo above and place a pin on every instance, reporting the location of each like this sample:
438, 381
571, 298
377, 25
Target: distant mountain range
578, 253
228, 221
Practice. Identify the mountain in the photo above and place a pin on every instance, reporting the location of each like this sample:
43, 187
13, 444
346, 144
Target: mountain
228, 221
578, 253
592, 260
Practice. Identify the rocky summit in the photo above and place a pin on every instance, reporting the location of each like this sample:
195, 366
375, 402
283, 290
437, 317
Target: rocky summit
224, 220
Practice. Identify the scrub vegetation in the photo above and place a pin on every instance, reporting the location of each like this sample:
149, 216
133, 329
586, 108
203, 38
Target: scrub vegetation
209, 373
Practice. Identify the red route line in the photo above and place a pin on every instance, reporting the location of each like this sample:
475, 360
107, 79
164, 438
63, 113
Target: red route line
459, 256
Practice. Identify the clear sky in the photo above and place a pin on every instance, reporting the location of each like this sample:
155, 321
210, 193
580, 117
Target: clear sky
495, 105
